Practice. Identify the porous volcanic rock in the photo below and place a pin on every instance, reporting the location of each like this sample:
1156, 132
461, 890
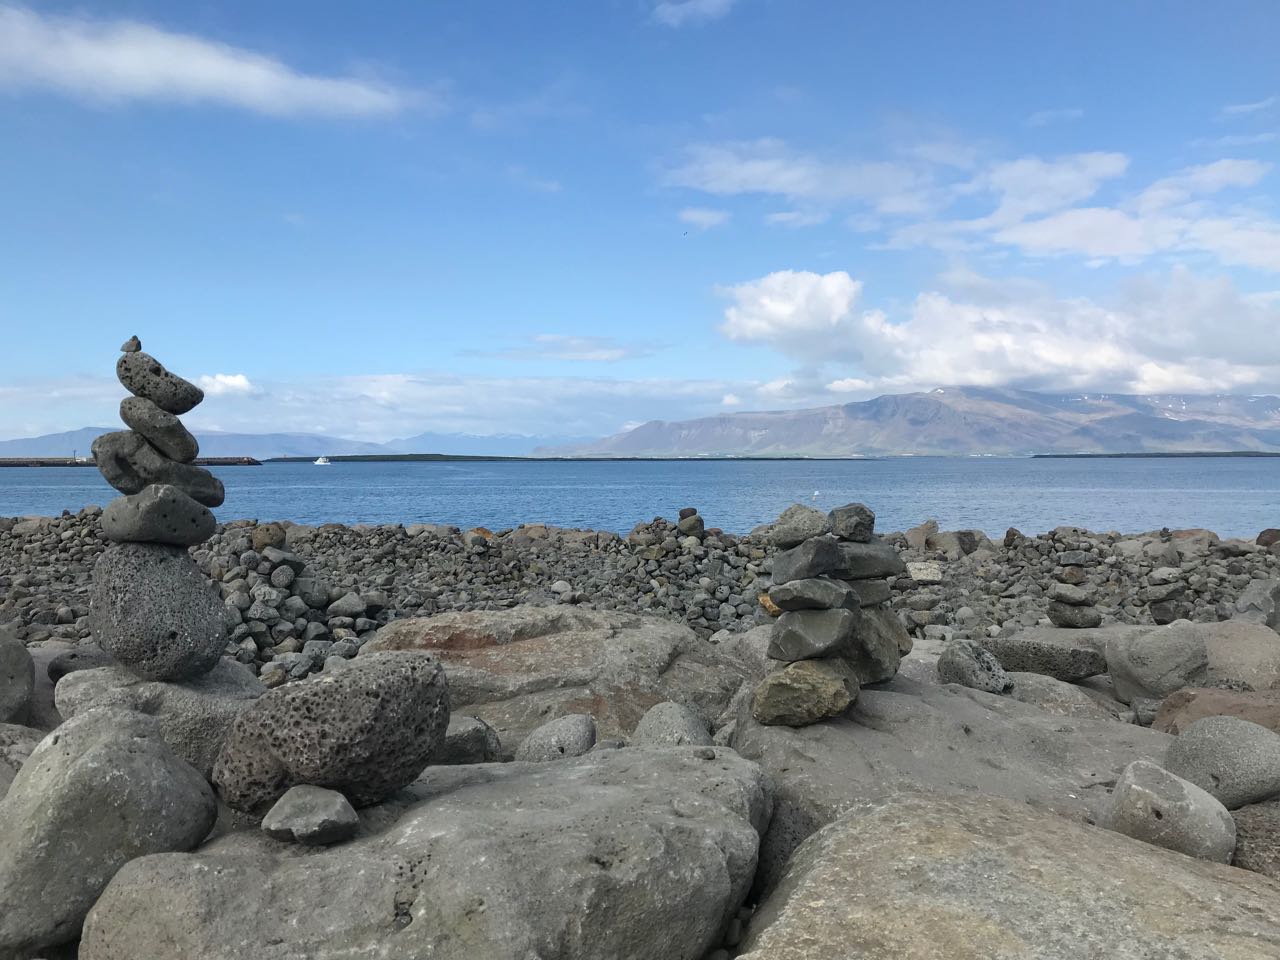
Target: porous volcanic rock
17, 680
1152, 805
145, 376
159, 513
159, 428
129, 464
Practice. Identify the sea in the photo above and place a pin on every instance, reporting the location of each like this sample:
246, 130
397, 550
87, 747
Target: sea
1235, 497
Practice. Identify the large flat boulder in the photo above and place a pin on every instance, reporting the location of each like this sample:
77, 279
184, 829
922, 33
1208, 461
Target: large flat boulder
907, 735
516, 669
631, 853
1153, 664
931, 877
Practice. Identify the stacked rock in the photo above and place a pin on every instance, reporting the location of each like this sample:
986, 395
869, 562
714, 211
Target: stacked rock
150, 607
835, 630
1071, 600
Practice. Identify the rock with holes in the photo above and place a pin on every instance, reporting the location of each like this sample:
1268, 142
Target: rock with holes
1258, 838
145, 376
129, 464
1153, 805
366, 730
634, 854
570, 736
159, 428
160, 513
1235, 760
973, 666
153, 610
1054, 652
194, 715
101, 790
311, 815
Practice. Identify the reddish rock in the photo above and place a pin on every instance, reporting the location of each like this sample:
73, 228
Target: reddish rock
1184, 707
1268, 537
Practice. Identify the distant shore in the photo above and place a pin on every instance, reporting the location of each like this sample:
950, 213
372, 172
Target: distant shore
78, 462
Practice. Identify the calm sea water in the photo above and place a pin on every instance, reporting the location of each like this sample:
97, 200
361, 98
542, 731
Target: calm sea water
1235, 497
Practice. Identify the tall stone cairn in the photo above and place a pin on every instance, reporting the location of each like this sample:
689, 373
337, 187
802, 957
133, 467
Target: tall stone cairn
835, 630
151, 607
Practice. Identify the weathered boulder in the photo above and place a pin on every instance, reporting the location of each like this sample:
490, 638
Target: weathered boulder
1056, 696
907, 735
101, 790
1258, 838
1259, 602
1052, 652
129, 463
934, 877
818, 593
17, 680
518, 668
159, 428
159, 513
616, 855
1184, 707
869, 561
468, 740
154, 611
1153, 664
194, 715
367, 730
797, 524
145, 376
671, 724
1152, 805
1073, 617
879, 645
569, 736
16, 744
809, 634
816, 557
970, 665
853, 521
1235, 760
311, 815
804, 692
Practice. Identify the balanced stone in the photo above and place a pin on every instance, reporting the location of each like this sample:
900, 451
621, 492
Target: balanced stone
812, 558
161, 513
154, 611
367, 730
129, 463
870, 592
1153, 805
797, 524
809, 634
804, 692
869, 561
1070, 594
854, 521
145, 376
161, 429
814, 594
132, 345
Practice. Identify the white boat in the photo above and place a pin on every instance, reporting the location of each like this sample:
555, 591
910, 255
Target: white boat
322, 462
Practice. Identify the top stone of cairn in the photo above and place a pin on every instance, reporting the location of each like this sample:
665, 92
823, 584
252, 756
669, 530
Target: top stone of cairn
145, 376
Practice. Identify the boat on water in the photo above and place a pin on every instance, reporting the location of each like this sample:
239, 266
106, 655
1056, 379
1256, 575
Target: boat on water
322, 462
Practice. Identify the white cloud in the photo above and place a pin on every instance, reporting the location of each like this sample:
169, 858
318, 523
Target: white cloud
223, 384
1042, 118
703, 218
121, 60
1202, 180
731, 400
803, 314
1243, 109
677, 13
1237, 140
1030, 185
797, 218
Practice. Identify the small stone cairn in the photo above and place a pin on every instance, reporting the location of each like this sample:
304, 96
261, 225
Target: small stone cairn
834, 629
151, 608
1071, 600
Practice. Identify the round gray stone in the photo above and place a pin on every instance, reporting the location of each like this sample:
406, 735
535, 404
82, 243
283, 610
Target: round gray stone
129, 463
145, 376
567, 736
672, 724
161, 429
1155, 806
1232, 759
160, 513
1073, 617
153, 610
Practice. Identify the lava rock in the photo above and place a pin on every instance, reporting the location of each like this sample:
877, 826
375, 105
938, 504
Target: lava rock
311, 815
567, 736
160, 513
1073, 617
468, 740
145, 376
1258, 838
1052, 653
1153, 805
804, 692
1234, 760
153, 611
17, 680
797, 524
367, 730
879, 645
817, 593
972, 666
129, 463
854, 522
869, 561
810, 634
159, 428
671, 724
812, 558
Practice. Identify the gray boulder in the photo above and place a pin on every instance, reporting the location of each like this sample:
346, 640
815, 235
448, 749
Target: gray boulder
617, 855
1073, 617
468, 740
870, 593
1153, 664
1152, 805
671, 724
804, 692
83, 656
1258, 838
879, 645
145, 376
1234, 760
972, 666
931, 877
1052, 652
194, 715
816, 593
129, 463
1064, 699
160, 513
810, 634
311, 815
853, 521
1259, 602
869, 561
17, 680
812, 558
101, 790
367, 730
570, 736
797, 524
154, 611
16, 744
159, 428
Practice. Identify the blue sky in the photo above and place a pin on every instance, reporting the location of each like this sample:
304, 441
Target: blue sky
560, 218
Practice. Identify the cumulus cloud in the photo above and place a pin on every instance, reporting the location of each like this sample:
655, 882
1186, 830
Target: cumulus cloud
703, 218
224, 384
678, 13
122, 60
803, 314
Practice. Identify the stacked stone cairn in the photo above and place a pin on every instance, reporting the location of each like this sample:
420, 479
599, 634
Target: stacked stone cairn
834, 630
1071, 601
151, 608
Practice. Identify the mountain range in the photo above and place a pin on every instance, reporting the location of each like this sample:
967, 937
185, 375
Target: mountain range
957, 421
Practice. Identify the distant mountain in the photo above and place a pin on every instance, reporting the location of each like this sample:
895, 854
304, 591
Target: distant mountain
463, 444
963, 421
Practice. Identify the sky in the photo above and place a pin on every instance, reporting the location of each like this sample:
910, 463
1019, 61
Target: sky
563, 219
